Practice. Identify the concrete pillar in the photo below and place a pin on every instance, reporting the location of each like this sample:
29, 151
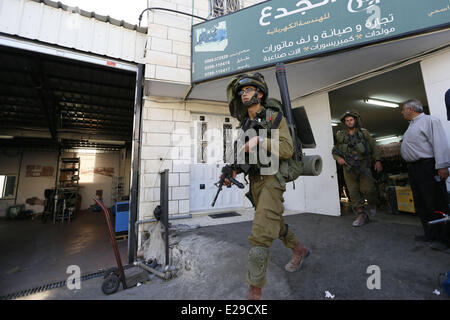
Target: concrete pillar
317, 194
436, 78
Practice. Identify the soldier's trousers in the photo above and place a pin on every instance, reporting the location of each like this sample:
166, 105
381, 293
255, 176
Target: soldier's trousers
360, 187
268, 224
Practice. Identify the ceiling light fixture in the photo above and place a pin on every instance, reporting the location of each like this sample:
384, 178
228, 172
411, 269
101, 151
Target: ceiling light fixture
107, 142
6, 137
382, 103
387, 138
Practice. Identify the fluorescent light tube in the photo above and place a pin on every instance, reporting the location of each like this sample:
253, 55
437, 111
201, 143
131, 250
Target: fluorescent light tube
386, 138
107, 142
382, 103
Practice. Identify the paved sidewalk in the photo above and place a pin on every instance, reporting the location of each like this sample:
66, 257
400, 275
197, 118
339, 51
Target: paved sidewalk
213, 259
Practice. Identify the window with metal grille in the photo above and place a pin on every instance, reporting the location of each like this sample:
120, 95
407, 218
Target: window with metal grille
219, 8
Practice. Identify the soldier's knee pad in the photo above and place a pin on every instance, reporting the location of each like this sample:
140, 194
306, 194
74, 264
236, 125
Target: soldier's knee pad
257, 263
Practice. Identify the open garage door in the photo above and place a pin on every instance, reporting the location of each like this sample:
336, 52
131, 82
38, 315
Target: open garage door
57, 105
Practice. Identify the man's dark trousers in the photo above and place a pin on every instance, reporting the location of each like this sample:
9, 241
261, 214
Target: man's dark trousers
429, 196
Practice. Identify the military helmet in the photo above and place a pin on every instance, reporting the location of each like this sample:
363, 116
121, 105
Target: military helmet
353, 114
237, 109
255, 80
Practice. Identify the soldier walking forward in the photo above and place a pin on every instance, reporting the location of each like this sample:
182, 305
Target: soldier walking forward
247, 97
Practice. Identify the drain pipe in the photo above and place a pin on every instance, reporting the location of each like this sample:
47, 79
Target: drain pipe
167, 274
161, 214
181, 216
162, 275
139, 222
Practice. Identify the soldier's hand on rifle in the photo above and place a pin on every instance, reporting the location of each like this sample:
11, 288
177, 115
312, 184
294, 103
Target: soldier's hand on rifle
341, 161
378, 166
227, 182
251, 144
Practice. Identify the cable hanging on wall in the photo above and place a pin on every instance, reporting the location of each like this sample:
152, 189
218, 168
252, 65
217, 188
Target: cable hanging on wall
171, 10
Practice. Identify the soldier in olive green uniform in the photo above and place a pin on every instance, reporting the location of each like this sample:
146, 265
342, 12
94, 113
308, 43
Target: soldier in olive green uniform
247, 96
358, 142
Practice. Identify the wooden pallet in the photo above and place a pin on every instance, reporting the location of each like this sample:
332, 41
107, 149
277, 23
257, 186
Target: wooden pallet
121, 237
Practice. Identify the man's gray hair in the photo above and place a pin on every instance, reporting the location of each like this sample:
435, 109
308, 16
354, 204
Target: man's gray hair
414, 104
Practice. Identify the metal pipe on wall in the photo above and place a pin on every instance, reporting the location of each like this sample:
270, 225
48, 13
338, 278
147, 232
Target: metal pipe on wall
177, 217
135, 160
18, 177
165, 209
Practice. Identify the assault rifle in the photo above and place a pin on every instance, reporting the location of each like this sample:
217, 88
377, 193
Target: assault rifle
227, 170
352, 162
227, 173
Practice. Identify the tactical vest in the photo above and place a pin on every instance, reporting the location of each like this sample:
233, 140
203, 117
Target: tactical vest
355, 144
270, 118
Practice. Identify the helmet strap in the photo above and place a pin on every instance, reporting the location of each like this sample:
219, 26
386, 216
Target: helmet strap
253, 100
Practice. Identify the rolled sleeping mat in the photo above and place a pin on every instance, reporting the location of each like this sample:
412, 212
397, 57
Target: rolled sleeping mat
312, 165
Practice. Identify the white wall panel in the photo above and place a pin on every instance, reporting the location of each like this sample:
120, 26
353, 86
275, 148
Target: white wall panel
11, 15
69, 28
436, 78
31, 20
141, 40
115, 41
37, 21
86, 38
317, 194
100, 37
49, 29
128, 52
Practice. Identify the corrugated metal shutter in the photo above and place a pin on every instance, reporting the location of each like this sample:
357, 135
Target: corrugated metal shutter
38, 21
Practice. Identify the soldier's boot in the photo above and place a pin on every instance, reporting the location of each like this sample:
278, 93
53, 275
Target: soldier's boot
361, 219
254, 293
300, 254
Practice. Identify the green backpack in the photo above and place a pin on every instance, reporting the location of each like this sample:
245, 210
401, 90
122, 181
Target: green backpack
290, 169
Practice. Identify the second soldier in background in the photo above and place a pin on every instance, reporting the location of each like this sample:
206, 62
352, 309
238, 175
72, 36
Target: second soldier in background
357, 143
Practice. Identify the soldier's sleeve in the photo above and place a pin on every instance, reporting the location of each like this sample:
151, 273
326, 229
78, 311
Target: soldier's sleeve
373, 146
285, 145
336, 157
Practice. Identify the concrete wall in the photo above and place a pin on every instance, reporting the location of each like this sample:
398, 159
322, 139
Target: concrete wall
27, 187
317, 194
9, 165
166, 144
168, 50
30, 187
168, 43
90, 182
436, 77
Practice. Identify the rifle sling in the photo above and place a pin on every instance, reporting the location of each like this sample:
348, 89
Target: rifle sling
277, 121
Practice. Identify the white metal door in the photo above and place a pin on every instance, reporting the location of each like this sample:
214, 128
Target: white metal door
208, 160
